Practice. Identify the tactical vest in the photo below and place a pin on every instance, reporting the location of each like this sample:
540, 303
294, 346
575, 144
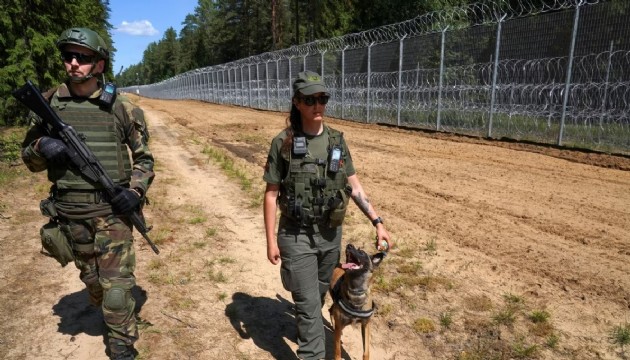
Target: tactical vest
99, 131
310, 192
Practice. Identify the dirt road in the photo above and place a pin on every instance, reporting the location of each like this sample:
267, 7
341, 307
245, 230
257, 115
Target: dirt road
504, 250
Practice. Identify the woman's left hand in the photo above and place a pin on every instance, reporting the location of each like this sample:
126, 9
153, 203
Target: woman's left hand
383, 241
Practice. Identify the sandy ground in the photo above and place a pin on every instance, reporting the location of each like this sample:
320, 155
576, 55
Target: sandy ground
479, 222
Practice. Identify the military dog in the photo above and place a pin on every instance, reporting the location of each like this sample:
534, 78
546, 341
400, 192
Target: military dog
350, 292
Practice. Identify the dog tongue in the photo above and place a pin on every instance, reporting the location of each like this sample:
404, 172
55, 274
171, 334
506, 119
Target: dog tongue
352, 266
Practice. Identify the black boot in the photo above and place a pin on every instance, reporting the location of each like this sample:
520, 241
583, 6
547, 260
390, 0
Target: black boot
121, 351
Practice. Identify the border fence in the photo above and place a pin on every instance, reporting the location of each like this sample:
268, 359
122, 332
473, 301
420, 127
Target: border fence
557, 73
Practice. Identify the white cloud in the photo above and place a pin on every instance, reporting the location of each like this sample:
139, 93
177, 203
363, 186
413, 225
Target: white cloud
137, 28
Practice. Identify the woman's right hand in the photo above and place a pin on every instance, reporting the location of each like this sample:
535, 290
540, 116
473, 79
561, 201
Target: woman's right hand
273, 253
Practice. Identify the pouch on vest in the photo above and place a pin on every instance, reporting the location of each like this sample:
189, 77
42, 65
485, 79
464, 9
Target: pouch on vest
338, 209
47, 208
55, 243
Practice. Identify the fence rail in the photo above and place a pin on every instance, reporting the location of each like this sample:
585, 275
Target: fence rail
557, 73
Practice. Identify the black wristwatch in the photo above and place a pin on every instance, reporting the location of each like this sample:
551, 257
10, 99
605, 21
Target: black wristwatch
376, 221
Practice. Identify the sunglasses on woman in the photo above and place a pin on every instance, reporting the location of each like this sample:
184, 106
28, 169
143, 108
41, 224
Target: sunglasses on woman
311, 100
82, 59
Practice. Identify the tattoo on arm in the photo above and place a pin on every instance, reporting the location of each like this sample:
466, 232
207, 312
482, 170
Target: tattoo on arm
363, 203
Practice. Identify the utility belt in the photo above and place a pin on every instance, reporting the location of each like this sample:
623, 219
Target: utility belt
306, 219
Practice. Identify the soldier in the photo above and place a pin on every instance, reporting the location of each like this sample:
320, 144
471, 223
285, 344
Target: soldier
310, 175
100, 239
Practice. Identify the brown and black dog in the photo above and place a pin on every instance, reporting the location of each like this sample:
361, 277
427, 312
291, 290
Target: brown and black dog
350, 292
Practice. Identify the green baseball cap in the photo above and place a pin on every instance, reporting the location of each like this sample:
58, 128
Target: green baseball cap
309, 83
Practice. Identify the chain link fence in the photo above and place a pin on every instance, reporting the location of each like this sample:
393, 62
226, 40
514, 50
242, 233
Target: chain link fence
557, 73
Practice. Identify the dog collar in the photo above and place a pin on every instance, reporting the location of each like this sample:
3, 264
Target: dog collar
348, 309
363, 314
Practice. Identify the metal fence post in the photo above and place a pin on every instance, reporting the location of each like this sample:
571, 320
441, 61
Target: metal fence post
257, 86
224, 85
249, 83
277, 85
495, 74
343, 81
267, 81
322, 62
604, 97
215, 87
567, 85
369, 80
441, 82
400, 69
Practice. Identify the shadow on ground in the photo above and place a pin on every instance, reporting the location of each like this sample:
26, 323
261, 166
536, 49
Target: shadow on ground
268, 322
77, 316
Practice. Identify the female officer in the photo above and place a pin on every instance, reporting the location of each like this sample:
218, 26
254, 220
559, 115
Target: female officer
310, 175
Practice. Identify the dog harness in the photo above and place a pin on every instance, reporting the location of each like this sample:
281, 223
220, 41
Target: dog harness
347, 308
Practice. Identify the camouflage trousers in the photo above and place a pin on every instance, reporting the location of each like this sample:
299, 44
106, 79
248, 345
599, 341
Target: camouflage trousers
105, 256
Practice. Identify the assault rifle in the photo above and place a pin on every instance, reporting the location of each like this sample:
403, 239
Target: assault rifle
81, 157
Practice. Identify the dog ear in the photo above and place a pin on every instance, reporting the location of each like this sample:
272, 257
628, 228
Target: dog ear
377, 258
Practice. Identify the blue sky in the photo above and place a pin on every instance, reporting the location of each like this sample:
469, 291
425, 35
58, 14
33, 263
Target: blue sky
137, 23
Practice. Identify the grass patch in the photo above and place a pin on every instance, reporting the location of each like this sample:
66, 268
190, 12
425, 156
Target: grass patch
539, 316
160, 236
504, 317
210, 232
411, 268
430, 246
423, 326
11, 144
552, 341
385, 309
478, 303
10, 154
228, 166
446, 319
522, 350
216, 276
513, 301
200, 244
399, 283
620, 336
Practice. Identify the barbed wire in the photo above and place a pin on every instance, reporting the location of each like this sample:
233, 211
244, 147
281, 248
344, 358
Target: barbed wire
522, 99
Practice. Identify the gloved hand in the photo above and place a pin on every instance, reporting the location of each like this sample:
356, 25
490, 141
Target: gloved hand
125, 201
54, 150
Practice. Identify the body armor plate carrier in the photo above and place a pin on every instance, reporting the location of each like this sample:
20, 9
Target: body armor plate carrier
312, 194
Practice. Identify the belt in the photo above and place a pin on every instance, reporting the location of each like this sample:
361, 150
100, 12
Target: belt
78, 196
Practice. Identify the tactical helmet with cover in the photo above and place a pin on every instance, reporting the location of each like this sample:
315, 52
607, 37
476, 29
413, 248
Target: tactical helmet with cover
86, 38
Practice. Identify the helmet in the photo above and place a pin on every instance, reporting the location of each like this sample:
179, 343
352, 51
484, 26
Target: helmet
88, 39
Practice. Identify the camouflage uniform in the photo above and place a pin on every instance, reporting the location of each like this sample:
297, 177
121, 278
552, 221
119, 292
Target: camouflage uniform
102, 242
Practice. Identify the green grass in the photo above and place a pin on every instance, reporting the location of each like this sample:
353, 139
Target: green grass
620, 336
424, 326
446, 319
10, 153
539, 316
228, 166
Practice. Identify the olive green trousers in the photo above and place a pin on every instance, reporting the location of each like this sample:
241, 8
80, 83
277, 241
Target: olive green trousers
309, 256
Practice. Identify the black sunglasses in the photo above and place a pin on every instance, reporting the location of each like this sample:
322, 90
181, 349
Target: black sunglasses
311, 100
82, 59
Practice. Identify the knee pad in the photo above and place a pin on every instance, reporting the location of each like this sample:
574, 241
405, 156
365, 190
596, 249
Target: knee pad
117, 299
